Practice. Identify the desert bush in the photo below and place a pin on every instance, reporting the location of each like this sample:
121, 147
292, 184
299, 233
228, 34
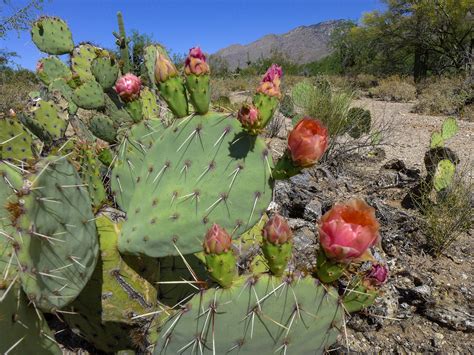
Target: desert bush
365, 81
287, 107
444, 96
224, 86
446, 216
15, 86
394, 88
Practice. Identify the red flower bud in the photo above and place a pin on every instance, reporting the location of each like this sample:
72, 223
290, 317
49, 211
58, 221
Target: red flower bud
307, 142
196, 62
248, 116
128, 87
347, 230
217, 240
378, 274
277, 230
164, 68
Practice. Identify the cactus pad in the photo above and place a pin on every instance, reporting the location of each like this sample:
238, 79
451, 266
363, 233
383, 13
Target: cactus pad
257, 315
102, 127
89, 95
16, 143
81, 60
47, 121
150, 108
444, 174
59, 247
25, 331
131, 155
52, 68
206, 171
105, 71
449, 128
60, 85
52, 35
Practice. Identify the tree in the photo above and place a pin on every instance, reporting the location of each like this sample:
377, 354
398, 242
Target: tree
17, 19
425, 36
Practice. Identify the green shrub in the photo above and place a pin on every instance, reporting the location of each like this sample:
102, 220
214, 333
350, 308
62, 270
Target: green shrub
359, 122
287, 107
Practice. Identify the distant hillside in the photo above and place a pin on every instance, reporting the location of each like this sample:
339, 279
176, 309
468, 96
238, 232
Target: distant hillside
302, 45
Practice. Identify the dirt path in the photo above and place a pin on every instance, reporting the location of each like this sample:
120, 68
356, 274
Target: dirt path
410, 133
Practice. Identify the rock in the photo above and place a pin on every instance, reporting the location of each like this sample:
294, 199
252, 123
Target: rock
423, 291
305, 243
448, 316
313, 210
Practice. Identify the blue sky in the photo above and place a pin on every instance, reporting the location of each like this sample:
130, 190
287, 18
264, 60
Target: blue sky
179, 25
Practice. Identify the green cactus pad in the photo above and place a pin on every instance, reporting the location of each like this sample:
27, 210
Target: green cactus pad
53, 68
125, 293
81, 60
135, 110
47, 122
173, 269
328, 270
266, 106
58, 248
91, 176
16, 143
302, 94
449, 128
150, 108
115, 109
10, 182
199, 92
25, 331
130, 158
358, 297
105, 71
102, 127
61, 86
222, 268
202, 171
436, 140
174, 93
277, 256
256, 316
89, 95
444, 175
52, 35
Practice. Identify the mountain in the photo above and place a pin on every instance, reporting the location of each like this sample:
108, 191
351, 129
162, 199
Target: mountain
301, 45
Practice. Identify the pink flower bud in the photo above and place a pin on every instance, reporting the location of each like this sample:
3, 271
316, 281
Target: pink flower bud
307, 142
248, 116
347, 230
277, 230
128, 87
164, 68
377, 275
270, 84
217, 240
196, 62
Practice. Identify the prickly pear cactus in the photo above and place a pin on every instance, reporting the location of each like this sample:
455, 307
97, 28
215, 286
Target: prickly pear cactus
52, 35
204, 171
16, 143
257, 315
56, 244
24, 330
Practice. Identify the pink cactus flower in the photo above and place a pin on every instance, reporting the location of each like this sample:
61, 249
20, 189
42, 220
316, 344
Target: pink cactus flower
270, 84
248, 116
128, 87
217, 240
348, 230
307, 142
277, 230
196, 62
377, 275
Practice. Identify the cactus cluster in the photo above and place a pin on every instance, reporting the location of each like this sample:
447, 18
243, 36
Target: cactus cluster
131, 227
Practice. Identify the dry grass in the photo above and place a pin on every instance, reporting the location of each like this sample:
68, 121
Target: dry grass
444, 96
394, 88
14, 89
